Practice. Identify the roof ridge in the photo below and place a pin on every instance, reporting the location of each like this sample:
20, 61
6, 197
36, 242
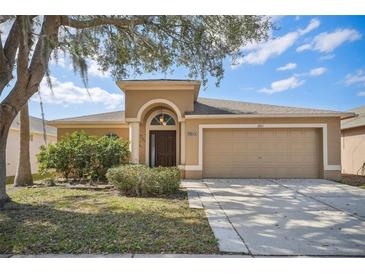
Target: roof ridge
362, 108
83, 116
261, 104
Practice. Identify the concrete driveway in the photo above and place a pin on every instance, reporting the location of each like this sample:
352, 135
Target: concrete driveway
293, 217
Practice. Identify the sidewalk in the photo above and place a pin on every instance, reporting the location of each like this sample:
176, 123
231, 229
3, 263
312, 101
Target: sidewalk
128, 255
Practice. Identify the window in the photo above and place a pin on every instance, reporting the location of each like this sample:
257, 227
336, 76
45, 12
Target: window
163, 119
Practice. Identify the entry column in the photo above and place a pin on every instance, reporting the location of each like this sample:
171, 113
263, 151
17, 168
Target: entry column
182, 143
134, 142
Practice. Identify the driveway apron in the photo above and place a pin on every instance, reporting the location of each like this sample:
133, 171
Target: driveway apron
293, 217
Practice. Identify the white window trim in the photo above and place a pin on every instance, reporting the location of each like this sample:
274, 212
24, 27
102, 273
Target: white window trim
199, 167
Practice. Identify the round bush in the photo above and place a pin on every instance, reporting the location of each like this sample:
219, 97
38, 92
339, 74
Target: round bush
82, 156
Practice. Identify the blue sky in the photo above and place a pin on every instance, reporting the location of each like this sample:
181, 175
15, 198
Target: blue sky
310, 61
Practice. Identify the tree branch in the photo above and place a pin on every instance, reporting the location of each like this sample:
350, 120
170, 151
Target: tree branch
24, 48
2, 61
100, 21
7, 58
47, 41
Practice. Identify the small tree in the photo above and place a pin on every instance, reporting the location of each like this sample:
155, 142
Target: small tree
124, 45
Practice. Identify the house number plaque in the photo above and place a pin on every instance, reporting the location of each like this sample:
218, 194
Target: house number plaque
192, 133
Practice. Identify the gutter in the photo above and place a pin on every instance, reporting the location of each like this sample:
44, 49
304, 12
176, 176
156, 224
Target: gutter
342, 115
55, 122
355, 115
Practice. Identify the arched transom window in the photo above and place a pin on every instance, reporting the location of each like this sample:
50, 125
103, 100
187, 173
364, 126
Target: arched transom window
163, 119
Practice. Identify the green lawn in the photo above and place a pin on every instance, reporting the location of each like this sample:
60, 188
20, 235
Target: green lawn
36, 177
61, 220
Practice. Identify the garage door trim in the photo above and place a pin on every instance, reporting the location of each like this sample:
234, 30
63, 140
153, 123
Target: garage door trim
326, 166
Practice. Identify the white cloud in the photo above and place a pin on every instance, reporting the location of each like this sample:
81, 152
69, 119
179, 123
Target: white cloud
358, 78
60, 61
361, 93
288, 66
67, 93
303, 47
292, 82
317, 71
328, 41
327, 57
269, 49
92, 66
260, 53
93, 70
282, 85
313, 24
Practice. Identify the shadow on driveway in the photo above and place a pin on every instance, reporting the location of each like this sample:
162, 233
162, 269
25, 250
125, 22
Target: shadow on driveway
294, 217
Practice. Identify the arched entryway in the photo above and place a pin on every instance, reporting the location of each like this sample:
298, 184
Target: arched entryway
141, 126
162, 138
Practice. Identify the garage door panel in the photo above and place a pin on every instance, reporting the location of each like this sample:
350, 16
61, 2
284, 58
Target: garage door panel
261, 153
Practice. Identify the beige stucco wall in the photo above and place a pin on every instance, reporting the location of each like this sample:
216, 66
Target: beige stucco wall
353, 149
134, 100
121, 132
333, 127
192, 136
12, 150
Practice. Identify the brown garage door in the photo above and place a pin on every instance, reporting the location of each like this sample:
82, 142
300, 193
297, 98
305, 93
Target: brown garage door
261, 153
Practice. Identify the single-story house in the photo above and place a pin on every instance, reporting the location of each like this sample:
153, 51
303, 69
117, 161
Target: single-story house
36, 140
167, 124
353, 143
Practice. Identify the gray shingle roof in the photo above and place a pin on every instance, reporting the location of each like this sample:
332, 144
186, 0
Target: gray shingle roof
107, 117
356, 121
206, 106
35, 125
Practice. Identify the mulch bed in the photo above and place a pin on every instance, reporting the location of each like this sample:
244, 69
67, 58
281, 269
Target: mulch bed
88, 186
353, 180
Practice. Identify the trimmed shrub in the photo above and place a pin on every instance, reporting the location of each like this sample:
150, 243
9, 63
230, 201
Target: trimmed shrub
82, 156
140, 180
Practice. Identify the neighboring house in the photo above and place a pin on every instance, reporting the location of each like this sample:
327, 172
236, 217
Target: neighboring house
168, 125
36, 140
353, 143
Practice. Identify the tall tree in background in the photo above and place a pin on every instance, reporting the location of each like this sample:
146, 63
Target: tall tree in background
125, 45
23, 176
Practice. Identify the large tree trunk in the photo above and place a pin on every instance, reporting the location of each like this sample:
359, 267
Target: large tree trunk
3, 196
23, 175
29, 77
7, 115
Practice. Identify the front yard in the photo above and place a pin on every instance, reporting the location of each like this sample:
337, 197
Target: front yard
60, 220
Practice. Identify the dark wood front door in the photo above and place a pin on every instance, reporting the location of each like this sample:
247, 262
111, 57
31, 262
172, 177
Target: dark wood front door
163, 148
